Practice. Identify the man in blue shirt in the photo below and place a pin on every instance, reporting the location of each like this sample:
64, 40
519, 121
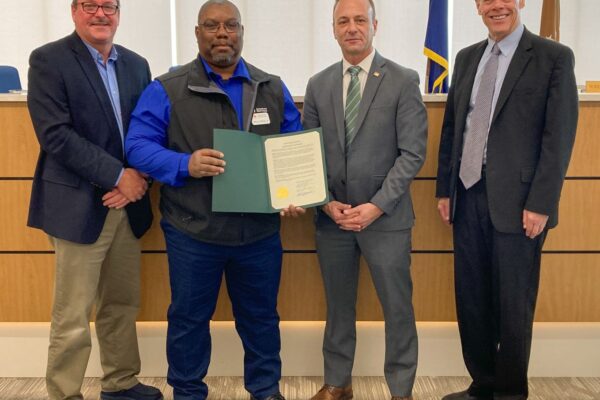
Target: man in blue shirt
170, 138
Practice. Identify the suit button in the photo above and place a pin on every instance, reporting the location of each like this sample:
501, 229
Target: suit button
343, 181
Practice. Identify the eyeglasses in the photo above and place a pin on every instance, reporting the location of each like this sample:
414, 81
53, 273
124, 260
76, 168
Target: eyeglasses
92, 8
211, 26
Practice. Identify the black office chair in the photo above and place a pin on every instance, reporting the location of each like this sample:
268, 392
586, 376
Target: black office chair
9, 79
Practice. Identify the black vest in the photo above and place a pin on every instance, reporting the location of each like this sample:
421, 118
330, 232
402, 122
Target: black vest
198, 106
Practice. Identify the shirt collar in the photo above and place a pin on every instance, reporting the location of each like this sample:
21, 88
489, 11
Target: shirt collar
114, 54
240, 72
365, 64
509, 44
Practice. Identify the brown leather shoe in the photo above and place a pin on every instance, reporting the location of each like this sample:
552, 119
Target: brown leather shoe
328, 392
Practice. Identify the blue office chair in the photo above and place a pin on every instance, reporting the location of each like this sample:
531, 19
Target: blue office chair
9, 79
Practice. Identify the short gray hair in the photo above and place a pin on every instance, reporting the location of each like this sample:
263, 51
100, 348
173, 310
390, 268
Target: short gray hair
371, 2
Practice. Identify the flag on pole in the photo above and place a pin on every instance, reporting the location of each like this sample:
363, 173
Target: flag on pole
550, 25
436, 47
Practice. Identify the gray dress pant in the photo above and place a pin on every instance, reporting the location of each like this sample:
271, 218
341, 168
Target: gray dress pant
388, 257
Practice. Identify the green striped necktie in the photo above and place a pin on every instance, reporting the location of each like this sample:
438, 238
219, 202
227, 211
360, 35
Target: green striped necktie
352, 104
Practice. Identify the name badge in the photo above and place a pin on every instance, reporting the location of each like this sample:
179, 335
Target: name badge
260, 118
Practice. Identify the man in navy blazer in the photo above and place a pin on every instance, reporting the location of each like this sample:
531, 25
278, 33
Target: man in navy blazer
94, 208
501, 216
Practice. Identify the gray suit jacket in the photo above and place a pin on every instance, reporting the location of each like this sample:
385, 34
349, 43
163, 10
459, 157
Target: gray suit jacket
389, 147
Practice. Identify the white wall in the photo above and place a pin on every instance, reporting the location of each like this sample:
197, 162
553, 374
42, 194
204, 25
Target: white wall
559, 349
291, 38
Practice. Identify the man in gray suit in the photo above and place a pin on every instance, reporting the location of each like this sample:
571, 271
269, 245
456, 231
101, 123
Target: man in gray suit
375, 134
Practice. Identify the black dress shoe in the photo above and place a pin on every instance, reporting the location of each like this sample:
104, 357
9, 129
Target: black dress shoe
510, 397
276, 396
138, 392
464, 395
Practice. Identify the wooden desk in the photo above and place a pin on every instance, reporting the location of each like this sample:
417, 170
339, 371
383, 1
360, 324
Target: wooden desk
570, 265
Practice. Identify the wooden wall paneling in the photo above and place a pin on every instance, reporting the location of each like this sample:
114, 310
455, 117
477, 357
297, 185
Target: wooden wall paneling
433, 293
26, 287
435, 116
154, 239
14, 207
429, 232
223, 311
433, 290
301, 294
585, 160
569, 288
578, 228
578, 220
156, 290
298, 233
368, 307
18, 144
568, 291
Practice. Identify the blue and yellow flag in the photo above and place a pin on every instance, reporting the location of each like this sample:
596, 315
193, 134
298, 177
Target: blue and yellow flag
436, 47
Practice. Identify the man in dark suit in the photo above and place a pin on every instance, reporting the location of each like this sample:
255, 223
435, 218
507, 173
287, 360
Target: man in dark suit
506, 142
82, 89
375, 134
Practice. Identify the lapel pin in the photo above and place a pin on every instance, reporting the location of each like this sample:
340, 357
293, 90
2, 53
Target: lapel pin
376, 74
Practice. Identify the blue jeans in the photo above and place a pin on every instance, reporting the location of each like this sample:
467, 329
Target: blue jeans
252, 273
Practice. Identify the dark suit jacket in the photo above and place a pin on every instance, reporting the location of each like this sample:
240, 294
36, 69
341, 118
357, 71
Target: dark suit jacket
81, 152
389, 148
531, 133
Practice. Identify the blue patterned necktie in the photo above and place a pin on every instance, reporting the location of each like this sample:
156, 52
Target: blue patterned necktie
472, 155
352, 104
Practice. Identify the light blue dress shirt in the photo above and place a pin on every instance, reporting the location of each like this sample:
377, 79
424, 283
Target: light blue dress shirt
507, 46
108, 73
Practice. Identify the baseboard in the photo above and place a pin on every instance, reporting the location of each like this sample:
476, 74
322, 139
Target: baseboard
559, 349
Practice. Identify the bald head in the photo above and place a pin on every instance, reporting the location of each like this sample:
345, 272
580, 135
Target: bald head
211, 3
220, 35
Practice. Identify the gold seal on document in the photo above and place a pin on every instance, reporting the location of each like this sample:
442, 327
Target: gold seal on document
282, 193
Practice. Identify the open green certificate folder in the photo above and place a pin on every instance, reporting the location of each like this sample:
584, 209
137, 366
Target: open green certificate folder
265, 174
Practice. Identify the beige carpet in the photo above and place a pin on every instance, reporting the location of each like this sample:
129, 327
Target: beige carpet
301, 388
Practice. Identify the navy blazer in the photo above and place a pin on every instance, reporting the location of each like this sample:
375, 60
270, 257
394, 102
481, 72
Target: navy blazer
531, 133
81, 152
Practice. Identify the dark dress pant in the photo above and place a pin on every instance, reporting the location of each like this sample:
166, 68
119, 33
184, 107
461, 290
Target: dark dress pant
496, 282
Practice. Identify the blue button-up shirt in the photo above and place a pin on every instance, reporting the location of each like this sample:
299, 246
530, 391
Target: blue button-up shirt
108, 73
234, 86
146, 144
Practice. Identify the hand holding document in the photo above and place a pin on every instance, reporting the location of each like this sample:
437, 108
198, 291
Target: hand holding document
266, 174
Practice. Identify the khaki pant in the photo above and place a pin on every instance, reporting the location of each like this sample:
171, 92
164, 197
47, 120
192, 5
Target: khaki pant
107, 274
